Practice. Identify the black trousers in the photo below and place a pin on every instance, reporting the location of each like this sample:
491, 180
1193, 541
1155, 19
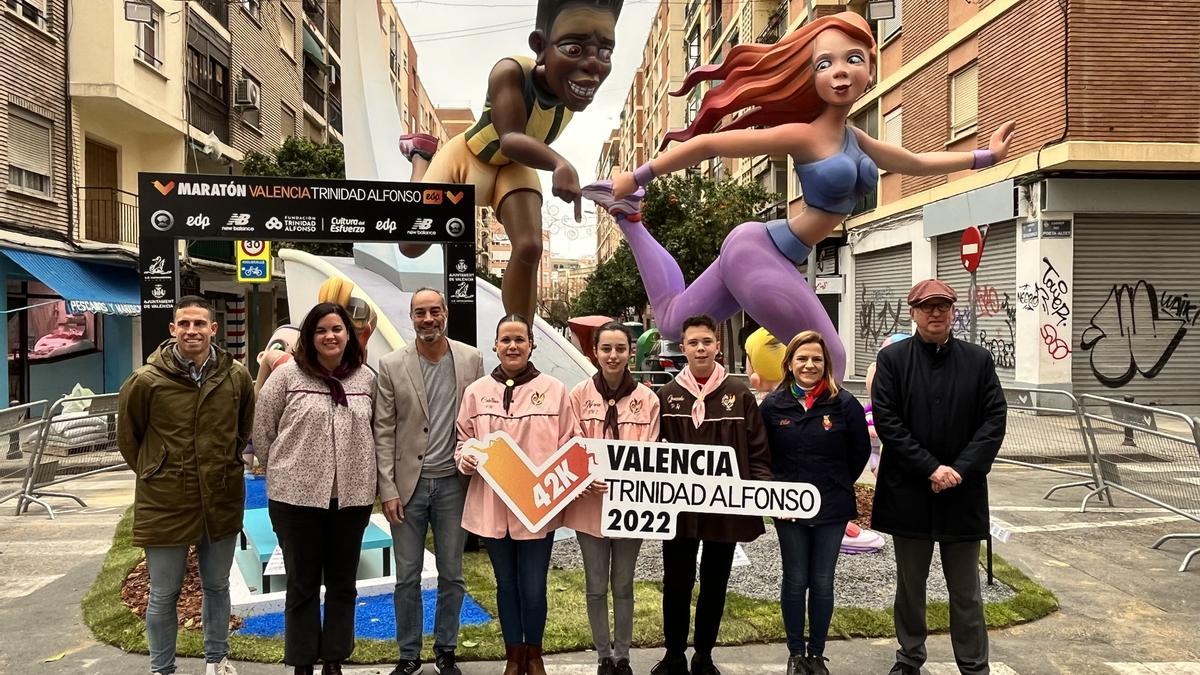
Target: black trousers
319, 544
679, 577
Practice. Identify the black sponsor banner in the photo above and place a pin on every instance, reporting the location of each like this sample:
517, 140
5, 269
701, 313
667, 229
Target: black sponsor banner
204, 206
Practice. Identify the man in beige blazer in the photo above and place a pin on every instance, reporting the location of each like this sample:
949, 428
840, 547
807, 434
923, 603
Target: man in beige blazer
420, 388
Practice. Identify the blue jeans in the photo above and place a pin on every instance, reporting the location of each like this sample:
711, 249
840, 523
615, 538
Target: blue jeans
436, 502
810, 554
521, 567
167, 566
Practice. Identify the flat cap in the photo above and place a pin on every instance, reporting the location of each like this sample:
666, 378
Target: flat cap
931, 289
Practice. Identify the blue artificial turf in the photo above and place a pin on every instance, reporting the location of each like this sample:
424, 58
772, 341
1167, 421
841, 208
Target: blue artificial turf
256, 492
374, 617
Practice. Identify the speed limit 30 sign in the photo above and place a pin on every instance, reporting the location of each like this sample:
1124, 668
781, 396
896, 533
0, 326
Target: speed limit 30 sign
253, 261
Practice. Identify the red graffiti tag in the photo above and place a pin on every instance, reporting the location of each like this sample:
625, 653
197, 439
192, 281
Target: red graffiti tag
1059, 348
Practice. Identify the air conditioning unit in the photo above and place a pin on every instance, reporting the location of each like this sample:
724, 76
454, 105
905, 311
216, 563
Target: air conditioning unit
333, 74
248, 94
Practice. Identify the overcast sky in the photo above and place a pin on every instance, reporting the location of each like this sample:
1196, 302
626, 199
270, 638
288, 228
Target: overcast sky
458, 42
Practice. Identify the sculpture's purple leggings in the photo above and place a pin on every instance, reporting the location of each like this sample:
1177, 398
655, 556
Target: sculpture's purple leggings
750, 274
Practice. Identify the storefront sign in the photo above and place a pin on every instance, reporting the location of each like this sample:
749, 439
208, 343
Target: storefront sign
649, 484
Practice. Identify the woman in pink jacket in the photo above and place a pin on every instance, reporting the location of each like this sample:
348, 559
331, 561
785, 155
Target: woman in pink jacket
610, 405
533, 408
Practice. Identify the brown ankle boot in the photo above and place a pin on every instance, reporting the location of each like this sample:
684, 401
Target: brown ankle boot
515, 655
533, 660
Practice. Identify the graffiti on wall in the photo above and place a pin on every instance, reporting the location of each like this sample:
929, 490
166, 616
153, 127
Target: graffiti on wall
1057, 347
991, 303
880, 313
1050, 294
1135, 331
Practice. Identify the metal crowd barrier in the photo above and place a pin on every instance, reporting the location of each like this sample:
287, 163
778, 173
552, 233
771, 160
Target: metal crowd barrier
21, 427
657, 378
1046, 431
72, 444
1150, 453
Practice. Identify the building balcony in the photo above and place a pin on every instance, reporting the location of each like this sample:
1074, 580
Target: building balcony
129, 79
107, 215
217, 9
314, 95
334, 37
314, 11
208, 113
335, 113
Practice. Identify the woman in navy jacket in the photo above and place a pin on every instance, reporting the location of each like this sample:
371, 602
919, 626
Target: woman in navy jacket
817, 434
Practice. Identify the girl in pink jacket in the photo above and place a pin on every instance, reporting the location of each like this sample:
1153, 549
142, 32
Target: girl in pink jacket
610, 405
534, 409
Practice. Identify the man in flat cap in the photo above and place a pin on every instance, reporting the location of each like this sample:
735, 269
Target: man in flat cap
940, 413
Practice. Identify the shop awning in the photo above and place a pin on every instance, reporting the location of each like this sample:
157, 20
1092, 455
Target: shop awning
86, 286
312, 47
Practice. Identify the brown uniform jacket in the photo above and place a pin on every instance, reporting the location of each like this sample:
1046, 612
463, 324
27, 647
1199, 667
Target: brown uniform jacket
731, 418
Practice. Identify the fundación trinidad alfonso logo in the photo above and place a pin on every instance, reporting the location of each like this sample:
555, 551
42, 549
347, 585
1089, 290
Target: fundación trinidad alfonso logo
164, 190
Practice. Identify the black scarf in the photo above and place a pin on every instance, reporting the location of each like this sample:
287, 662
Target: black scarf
334, 380
611, 397
526, 375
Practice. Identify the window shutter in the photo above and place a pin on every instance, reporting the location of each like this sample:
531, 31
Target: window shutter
28, 143
965, 98
891, 127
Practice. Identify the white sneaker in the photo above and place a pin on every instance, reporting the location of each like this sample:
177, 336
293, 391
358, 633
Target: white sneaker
222, 668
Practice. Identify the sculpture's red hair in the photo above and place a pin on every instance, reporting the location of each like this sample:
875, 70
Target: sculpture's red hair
774, 81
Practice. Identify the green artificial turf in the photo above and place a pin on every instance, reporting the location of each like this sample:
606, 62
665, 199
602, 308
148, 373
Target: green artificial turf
746, 620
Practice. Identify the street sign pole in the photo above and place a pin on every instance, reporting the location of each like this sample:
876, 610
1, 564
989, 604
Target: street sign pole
971, 253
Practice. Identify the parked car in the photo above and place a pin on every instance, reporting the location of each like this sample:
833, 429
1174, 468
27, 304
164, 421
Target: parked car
666, 356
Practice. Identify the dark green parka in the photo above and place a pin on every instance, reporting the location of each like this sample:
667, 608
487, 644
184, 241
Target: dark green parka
184, 441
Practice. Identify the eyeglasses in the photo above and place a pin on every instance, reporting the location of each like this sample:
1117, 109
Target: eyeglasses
935, 308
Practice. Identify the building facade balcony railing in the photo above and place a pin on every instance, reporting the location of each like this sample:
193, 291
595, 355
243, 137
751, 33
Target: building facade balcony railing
217, 9
335, 113
107, 215
776, 25
208, 113
715, 32
334, 36
315, 13
314, 94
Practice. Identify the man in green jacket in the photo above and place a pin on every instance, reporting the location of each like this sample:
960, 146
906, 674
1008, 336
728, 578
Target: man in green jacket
184, 418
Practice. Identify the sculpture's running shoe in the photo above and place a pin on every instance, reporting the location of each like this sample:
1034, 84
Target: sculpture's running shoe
629, 207
418, 144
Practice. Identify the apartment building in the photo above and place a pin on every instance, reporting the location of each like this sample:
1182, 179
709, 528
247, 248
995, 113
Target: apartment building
1090, 176
68, 307
1093, 222
149, 85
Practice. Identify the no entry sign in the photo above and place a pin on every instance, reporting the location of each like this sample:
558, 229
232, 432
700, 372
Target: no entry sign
972, 248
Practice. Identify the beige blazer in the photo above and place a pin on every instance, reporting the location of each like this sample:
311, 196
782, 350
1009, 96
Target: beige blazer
402, 415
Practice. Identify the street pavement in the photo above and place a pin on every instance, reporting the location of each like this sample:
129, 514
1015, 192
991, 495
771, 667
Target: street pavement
1125, 608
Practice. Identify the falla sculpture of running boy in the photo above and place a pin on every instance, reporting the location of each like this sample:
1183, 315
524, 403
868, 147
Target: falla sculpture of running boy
796, 96
529, 103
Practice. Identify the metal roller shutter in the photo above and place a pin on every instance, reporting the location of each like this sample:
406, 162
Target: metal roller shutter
997, 293
1135, 308
882, 280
